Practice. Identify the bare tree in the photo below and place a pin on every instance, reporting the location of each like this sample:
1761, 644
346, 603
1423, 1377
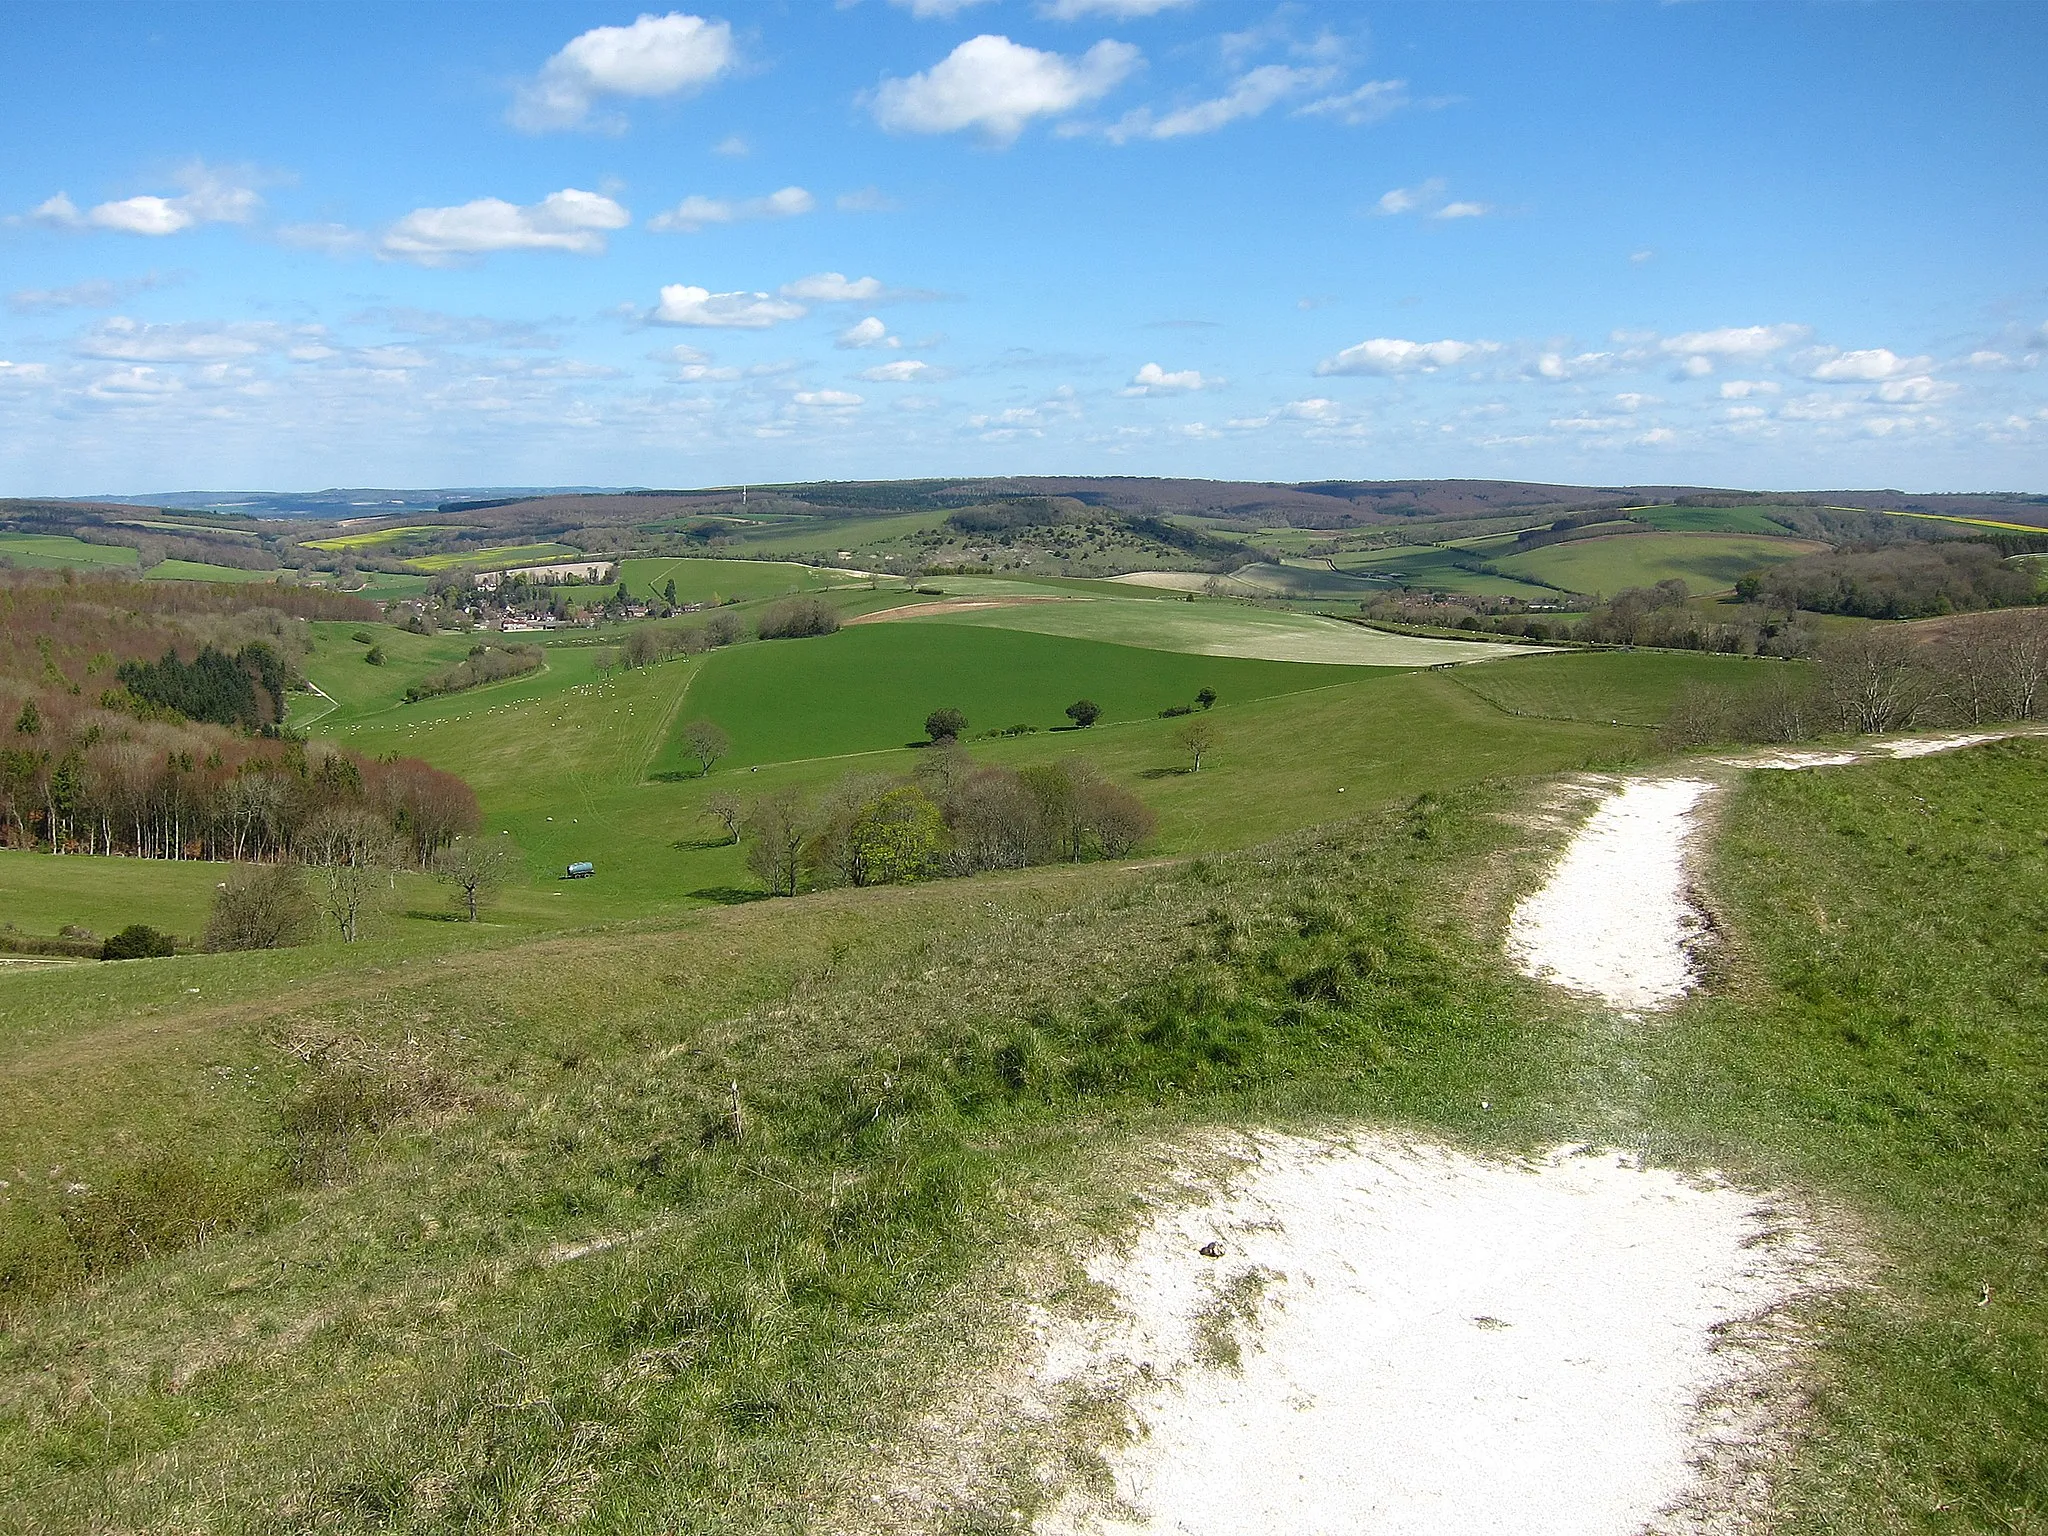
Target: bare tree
1873, 681
475, 868
707, 743
729, 811
778, 826
1195, 739
349, 850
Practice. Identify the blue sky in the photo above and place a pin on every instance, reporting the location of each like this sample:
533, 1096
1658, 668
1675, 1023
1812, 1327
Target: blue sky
295, 246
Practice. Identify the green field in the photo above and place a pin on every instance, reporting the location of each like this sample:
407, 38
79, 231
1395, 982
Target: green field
1436, 570
1710, 520
1619, 688
1221, 628
498, 557
1706, 562
708, 581
50, 550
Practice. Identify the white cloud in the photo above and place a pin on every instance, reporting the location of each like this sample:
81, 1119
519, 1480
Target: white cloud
996, 86
1635, 402
1556, 365
1463, 211
568, 220
1867, 366
328, 239
867, 333
1742, 389
733, 146
905, 370
1155, 380
682, 304
655, 56
826, 399
1407, 199
693, 213
1638, 258
1391, 355
124, 340
942, 10
210, 197
1919, 389
1987, 361
1373, 102
1696, 367
838, 288
1250, 95
1734, 341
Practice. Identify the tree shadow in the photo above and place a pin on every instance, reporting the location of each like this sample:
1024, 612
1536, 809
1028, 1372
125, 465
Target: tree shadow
1164, 773
437, 917
728, 895
676, 776
696, 844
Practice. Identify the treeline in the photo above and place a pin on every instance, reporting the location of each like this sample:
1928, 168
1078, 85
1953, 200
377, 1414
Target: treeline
794, 618
953, 817
80, 778
484, 664
1995, 669
1650, 616
1916, 580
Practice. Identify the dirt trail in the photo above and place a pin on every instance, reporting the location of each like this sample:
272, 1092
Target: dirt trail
1616, 919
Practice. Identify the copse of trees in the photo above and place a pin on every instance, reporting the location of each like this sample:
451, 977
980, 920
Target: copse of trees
1881, 679
953, 817
797, 618
1906, 580
245, 689
485, 663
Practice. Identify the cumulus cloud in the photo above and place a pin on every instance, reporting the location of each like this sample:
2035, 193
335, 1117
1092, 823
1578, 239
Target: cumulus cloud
905, 370
997, 87
682, 304
825, 399
1391, 355
1867, 366
867, 333
1400, 200
1250, 95
1463, 211
568, 220
210, 197
1558, 365
693, 213
655, 56
1155, 380
1373, 102
1917, 389
1742, 389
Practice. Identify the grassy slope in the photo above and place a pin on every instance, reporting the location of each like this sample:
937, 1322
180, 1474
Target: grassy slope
1705, 561
1882, 1041
45, 551
497, 557
194, 570
1631, 688
704, 581
1435, 570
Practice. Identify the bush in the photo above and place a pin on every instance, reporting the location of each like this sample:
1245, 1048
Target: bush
138, 941
374, 655
1084, 712
944, 724
797, 618
263, 908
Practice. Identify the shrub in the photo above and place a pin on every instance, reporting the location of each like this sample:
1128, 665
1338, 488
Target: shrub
945, 724
138, 941
374, 655
1084, 712
263, 908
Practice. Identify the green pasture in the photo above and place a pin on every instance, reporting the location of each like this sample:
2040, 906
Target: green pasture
708, 581
1632, 688
386, 586
498, 557
1706, 562
1711, 520
1220, 628
335, 666
1433, 569
50, 550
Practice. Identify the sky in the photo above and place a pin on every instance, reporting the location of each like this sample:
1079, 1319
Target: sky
294, 246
